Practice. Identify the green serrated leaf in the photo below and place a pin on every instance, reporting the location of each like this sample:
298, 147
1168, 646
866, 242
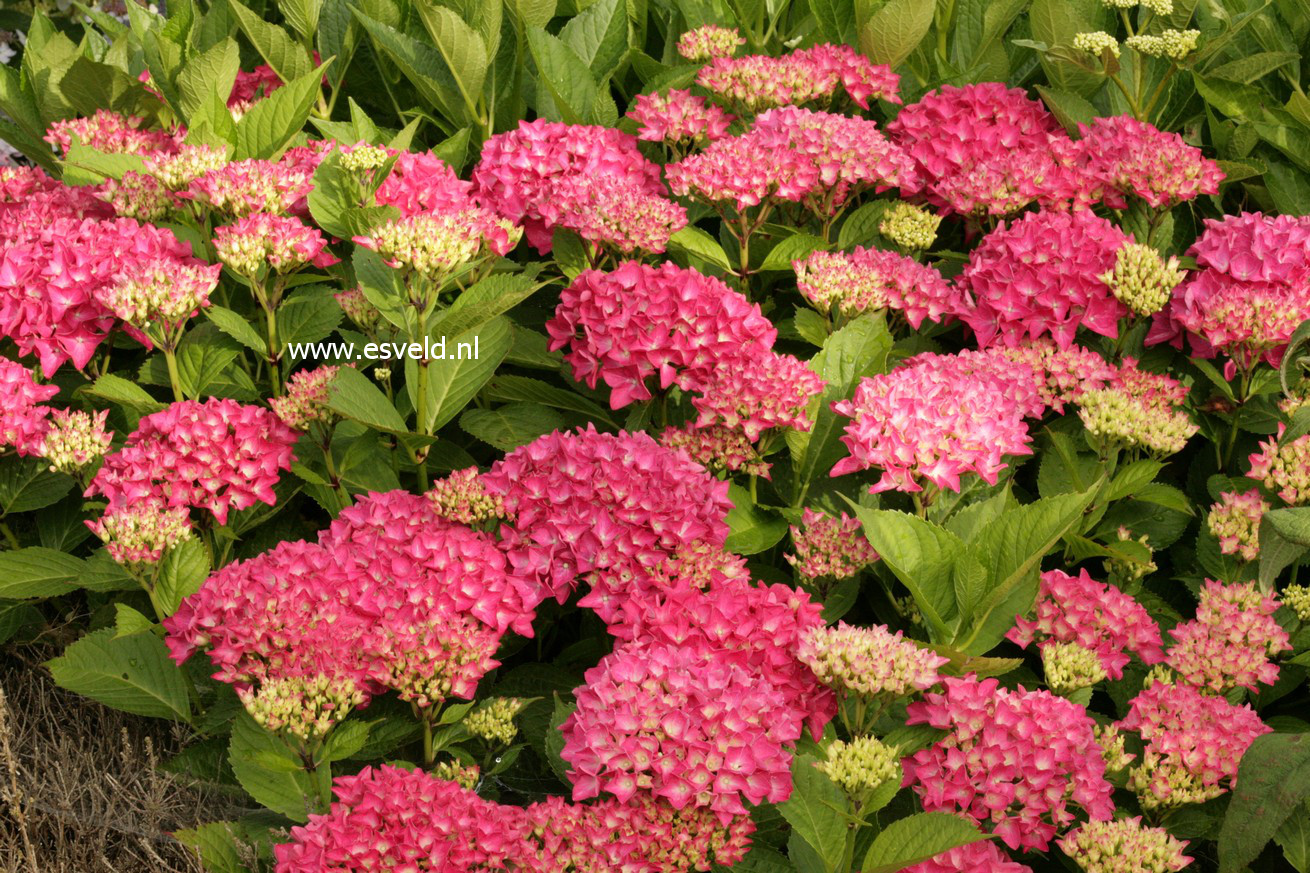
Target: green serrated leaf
287, 790
510, 426
917, 838
1273, 780
132, 673
817, 811
38, 572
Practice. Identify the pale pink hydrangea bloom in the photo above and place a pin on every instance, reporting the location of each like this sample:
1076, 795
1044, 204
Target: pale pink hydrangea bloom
936, 423
438, 245
140, 533
980, 857
137, 195
243, 187
1135, 158
110, 132
1194, 742
759, 82
306, 399
176, 171
1063, 375
678, 118
519, 169
1284, 469
1235, 522
1098, 617
23, 421
1124, 846
828, 546
683, 724
218, 455
717, 448
261, 239
1229, 643
1037, 277
864, 279
462, 497
1013, 761
74, 439
870, 661
709, 41
1251, 292
156, 298
754, 394
618, 214
1138, 409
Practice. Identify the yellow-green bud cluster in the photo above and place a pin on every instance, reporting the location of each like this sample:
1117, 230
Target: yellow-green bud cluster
75, 439
461, 497
303, 706
1142, 280
1172, 44
1096, 42
1113, 750
358, 308
1115, 415
493, 721
909, 226
137, 196
1124, 846
1070, 667
454, 771
433, 245
1161, 784
1297, 597
190, 163
863, 764
363, 158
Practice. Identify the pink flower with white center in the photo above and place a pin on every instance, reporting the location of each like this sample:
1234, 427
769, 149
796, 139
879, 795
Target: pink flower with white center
141, 534
864, 279
1124, 846
518, 171
683, 724
1134, 157
869, 661
218, 455
754, 394
759, 82
828, 546
1251, 292
462, 497
1138, 409
262, 239
678, 118
156, 298
1229, 643
306, 399
1038, 277
645, 835
52, 278
1064, 374
986, 149
585, 502
1013, 761
618, 215
113, 133
761, 628
936, 422
23, 421
422, 183
1194, 742
1284, 468
244, 187
710, 41
983, 856
75, 439
717, 448
744, 171
1094, 615
1235, 522
391, 818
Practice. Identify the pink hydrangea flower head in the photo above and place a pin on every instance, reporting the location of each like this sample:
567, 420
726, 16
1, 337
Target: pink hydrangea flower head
141, 533
218, 455
1194, 742
586, 502
717, 448
30, 201
282, 242
864, 279
1229, 643
306, 399
1251, 292
760, 628
616, 591
253, 85
678, 118
1235, 522
1135, 158
1285, 468
243, 187
138, 196
438, 245
936, 421
869, 661
743, 171
1124, 846
829, 546
980, 857
423, 183
24, 422
682, 724
75, 439
463, 498
759, 82
709, 41
390, 818
156, 298
1138, 409
110, 132
1038, 277
618, 215
1063, 375
1014, 761
519, 168
770, 391
1094, 615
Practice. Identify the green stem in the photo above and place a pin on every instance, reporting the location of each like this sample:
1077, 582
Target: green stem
429, 755
1159, 92
274, 352
421, 404
9, 535
174, 378
1132, 103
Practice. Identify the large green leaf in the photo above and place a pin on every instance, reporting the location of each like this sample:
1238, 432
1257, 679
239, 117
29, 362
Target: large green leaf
817, 812
38, 572
1284, 538
268, 771
751, 530
895, 30
457, 379
1273, 781
917, 838
921, 554
421, 63
510, 426
599, 36
181, 573
287, 57
1055, 23
565, 77
273, 122
27, 484
482, 302
207, 72
464, 53
131, 673
354, 395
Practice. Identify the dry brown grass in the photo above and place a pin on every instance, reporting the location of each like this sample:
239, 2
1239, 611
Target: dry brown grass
80, 786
